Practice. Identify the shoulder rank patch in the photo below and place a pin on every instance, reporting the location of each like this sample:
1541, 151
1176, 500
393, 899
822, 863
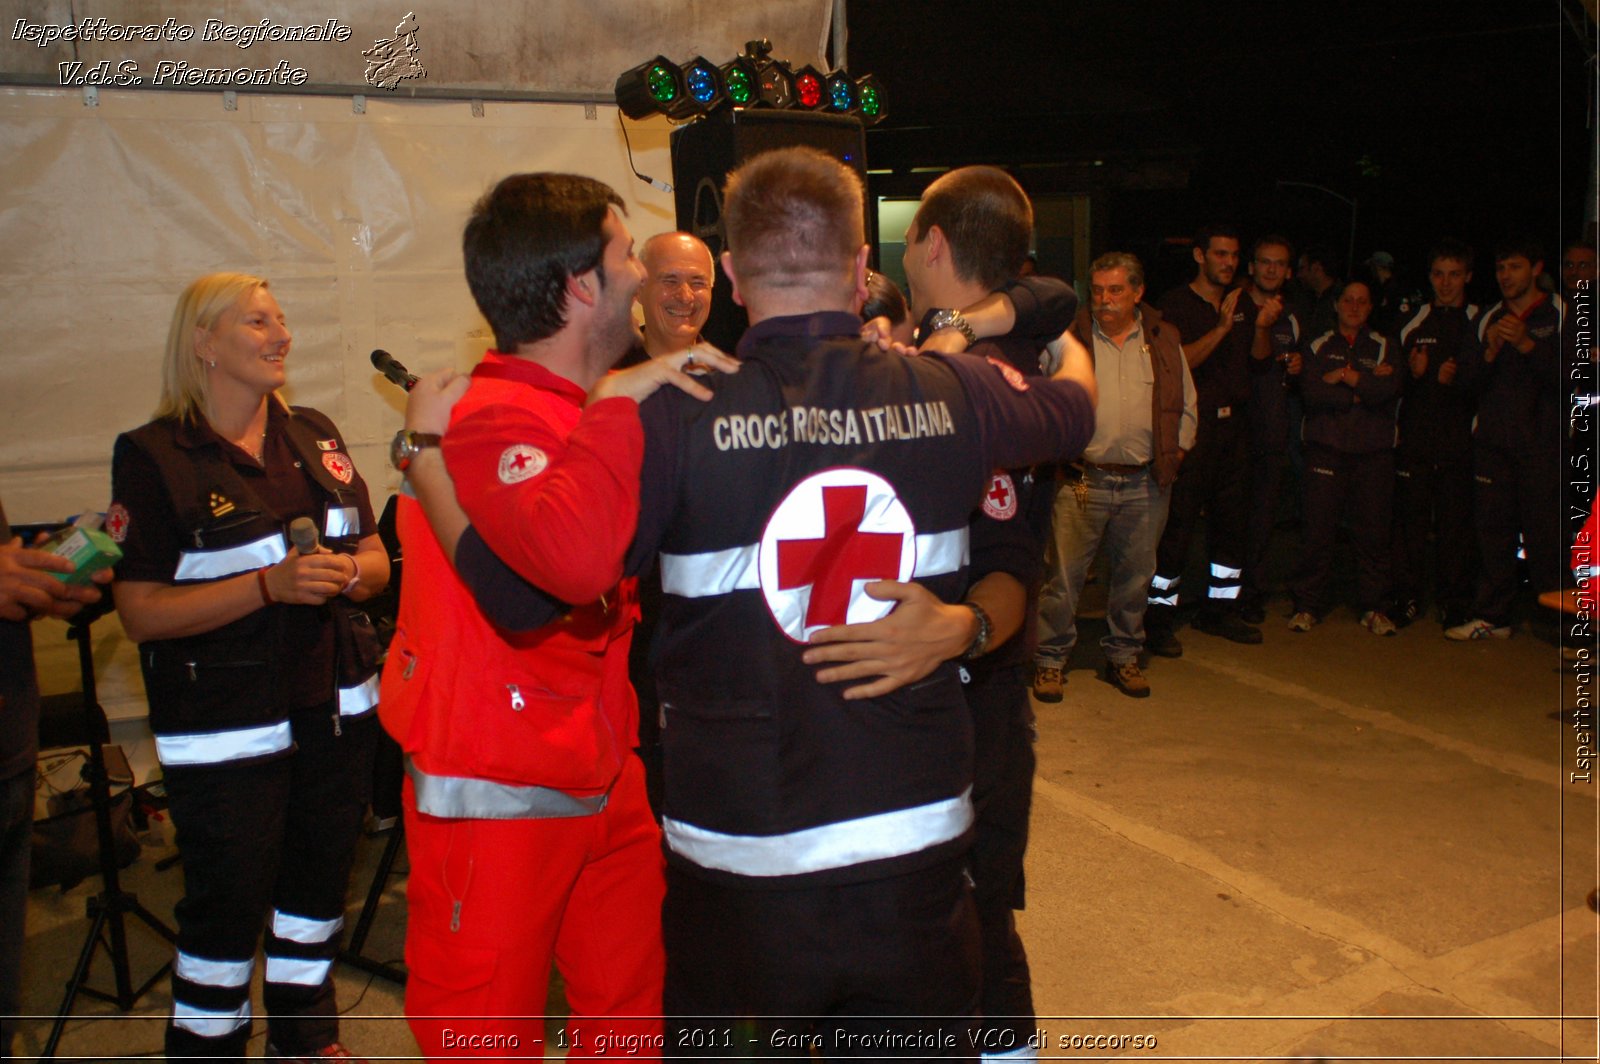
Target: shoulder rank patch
220, 504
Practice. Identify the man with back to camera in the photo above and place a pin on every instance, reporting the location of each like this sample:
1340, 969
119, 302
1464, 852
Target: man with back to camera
970, 236
1222, 330
1145, 422
1515, 373
1433, 456
526, 819
816, 842
1319, 271
1272, 380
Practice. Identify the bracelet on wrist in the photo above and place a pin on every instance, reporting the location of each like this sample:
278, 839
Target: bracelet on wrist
355, 576
261, 583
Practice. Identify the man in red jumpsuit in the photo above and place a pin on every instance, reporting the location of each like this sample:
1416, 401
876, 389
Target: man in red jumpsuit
529, 833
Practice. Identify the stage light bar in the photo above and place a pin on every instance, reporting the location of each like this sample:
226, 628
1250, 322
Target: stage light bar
688, 90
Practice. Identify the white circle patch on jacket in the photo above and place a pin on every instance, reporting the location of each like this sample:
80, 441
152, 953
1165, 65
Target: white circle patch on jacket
834, 533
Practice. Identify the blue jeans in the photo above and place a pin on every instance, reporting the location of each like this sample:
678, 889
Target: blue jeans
1127, 513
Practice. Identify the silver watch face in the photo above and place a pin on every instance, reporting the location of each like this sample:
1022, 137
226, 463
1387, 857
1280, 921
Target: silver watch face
401, 450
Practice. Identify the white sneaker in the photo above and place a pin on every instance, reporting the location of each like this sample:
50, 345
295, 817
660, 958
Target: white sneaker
1378, 623
1302, 622
1477, 628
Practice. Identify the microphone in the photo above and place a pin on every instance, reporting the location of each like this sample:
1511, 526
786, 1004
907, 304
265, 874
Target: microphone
303, 533
390, 367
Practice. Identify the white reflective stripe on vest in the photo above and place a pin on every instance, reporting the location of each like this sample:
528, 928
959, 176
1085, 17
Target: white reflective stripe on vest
719, 572
208, 748
341, 521
839, 845
209, 1024
303, 929
216, 564
354, 701
298, 970
212, 973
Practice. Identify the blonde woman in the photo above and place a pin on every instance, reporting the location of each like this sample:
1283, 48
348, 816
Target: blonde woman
258, 666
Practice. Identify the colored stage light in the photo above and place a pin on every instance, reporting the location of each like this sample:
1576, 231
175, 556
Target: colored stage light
740, 79
841, 94
808, 88
651, 87
703, 81
870, 94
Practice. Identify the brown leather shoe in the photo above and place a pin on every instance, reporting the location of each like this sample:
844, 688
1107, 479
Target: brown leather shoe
1128, 679
1048, 683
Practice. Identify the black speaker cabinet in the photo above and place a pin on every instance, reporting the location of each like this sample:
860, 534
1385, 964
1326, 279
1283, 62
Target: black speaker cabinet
703, 153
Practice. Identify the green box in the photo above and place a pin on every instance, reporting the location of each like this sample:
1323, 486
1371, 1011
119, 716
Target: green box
89, 550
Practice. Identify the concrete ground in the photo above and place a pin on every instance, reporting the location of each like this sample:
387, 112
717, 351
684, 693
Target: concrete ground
1330, 847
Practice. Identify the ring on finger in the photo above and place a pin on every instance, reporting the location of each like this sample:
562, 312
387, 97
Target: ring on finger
688, 362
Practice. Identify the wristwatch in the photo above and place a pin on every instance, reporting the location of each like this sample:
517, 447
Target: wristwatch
980, 642
407, 445
952, 319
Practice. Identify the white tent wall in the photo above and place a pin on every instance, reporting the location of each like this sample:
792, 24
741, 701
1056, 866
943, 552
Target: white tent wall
112, 201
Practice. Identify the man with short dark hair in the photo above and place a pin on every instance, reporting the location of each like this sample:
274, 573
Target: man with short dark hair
1516, 443
526, 819
1222, 330
1272, 381
1433, 457
1319, 270
1145, 422
815, 843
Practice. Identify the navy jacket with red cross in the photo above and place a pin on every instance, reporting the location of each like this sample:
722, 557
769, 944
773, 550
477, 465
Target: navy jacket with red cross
821, 465
187, 513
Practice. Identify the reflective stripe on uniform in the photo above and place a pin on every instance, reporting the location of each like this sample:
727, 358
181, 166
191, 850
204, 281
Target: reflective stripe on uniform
1222, 572
216, 564
298, 970
1161, 583
304, 929
208, 1023
212, 973
1024, 1053
354, 701
208, 748
462, 796
719, 572
838, 845
341, 521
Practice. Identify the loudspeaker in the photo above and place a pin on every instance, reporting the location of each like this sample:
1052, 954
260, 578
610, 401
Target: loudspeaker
702, 154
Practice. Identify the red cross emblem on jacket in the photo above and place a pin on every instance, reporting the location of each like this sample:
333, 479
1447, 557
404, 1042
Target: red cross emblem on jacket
835, 532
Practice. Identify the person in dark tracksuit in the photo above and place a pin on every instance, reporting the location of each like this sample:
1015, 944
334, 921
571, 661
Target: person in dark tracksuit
1433, 459
1351, 389
1273, 382
1516, 446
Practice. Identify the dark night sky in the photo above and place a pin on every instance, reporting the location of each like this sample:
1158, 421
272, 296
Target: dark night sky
1438, 118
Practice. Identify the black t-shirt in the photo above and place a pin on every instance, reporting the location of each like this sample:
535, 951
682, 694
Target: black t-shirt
1223, 379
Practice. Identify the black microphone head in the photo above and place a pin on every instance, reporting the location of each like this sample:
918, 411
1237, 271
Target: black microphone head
381, 359
303, 533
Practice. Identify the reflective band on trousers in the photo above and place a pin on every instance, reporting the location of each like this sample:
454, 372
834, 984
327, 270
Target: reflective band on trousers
462, 796
210, 748
1161, 583
838, 845
342, 521
304, 929
354, 701
207, 1023
718, 572
212, 973
216, 564
1025, 1053
1222, 572
298, 970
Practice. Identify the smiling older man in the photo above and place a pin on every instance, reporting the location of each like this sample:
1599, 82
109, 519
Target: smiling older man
676, 294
